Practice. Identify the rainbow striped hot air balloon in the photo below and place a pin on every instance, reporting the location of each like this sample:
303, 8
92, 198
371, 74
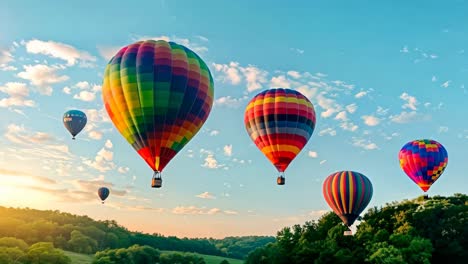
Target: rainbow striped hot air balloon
423, 161
280, 122
347, 193
158, 94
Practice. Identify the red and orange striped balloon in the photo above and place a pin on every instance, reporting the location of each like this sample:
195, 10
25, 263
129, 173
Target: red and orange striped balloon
347, 193
280, 122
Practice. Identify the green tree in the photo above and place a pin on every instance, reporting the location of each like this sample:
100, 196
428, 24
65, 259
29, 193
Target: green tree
45, 253
81, 243
13, 242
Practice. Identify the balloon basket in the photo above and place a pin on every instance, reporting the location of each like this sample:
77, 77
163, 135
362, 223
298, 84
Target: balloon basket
280, 180
156, 181
348, 232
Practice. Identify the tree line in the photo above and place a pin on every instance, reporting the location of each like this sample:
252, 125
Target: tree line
82, 234
424, 230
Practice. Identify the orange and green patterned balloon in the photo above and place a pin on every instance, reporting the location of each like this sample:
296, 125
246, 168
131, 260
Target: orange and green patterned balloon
158, 94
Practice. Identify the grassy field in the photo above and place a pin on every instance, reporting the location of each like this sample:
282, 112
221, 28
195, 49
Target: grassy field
87, 259
79, 258
209, 259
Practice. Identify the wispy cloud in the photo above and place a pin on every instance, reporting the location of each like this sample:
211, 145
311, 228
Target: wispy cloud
103, 160
42, 76
227, 150
363, 143
205, 195
370, 120
408, 117
411, 101
234, 74
18, 93
59, 50
193, 210
230, 102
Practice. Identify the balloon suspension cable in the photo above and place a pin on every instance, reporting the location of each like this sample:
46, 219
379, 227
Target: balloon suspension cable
156, 181
281, 180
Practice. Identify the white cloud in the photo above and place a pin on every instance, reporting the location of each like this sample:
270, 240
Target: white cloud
85, 96
94, 134
351, 108
434, 79
299, 51
329, 105
108, 144
382, 111
306, 91
365, 144
341, 116
103, 160
59, 50
228, 150
214, 132
280, 82
193, 210
312, 154
404, 49
18, 92
446, 84
360, 94
411, 101
83, 85
205, 195
123, 170
443, 129
322, 162
107, 52
231, 72
42, 76
407, 117
254, 77
198, 48
66, 90
294, 74
327, 131
234, 74
211, 162
350, 126
230, 101
5, 58
370, 120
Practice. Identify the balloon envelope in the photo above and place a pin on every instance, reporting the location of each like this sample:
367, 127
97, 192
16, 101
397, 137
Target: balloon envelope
423, 161
280, 122
74, 121
103, 193
347, 193
158, 94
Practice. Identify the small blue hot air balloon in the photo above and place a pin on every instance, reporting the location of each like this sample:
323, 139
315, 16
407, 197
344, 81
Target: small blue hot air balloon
74, 121
103, 193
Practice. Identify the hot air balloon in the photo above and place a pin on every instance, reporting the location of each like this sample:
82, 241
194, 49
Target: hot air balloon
347, 193
423, 161
158, 94
103, 193
280, 122
74, 121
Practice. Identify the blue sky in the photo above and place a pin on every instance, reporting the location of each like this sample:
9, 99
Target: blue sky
378, 74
